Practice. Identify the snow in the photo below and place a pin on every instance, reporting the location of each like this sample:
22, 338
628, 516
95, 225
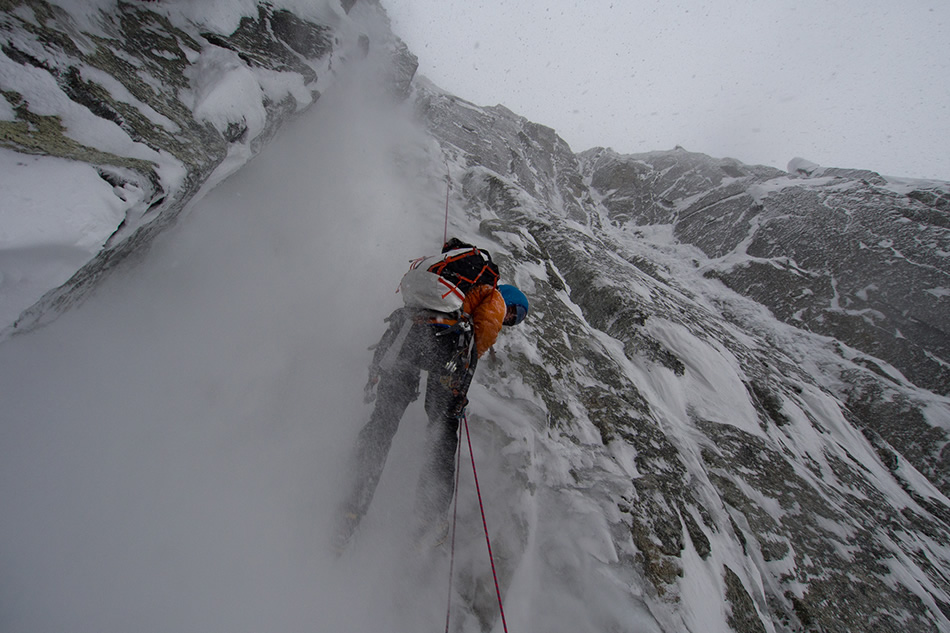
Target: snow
185, 473
702, 588
803, 166
55, 216
173, 449
711, 384
6, 111
225, 91
277, 86
761, 191
904, 186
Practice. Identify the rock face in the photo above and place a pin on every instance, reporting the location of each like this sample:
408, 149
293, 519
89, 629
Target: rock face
839, 252
745, 361
170, 87
730, 398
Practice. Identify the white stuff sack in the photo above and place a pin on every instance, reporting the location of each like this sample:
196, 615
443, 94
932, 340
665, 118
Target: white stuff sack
423, 289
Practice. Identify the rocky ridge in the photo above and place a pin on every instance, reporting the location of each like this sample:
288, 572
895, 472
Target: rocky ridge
162, 81
857, 257
829, 475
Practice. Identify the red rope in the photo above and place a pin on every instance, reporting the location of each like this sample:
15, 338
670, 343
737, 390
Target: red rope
481, 507
448, 183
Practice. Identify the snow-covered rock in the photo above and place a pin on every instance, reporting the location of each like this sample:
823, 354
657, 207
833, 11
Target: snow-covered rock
840, 252
727, 410
751, 470
151, 104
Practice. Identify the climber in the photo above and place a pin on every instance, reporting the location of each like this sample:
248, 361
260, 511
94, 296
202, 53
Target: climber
454, 310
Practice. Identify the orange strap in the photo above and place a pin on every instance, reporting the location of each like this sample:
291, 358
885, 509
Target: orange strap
452, 289
438, 267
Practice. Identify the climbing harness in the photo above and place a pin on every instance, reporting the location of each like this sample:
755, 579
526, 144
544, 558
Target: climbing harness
481, 507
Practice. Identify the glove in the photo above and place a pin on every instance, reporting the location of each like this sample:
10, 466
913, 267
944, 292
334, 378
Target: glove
462, 325
457, 408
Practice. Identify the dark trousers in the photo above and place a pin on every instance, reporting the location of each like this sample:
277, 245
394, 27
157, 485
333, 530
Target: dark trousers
398, 386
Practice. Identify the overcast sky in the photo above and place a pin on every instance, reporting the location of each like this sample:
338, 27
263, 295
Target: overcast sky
850, 83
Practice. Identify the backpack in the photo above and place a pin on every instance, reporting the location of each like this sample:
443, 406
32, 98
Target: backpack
440, 282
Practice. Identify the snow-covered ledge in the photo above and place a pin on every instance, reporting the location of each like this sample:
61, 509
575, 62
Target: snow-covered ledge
116, 115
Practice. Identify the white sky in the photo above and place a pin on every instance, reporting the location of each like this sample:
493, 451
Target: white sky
850, 83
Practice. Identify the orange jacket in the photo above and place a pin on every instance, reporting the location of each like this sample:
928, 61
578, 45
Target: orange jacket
486, 308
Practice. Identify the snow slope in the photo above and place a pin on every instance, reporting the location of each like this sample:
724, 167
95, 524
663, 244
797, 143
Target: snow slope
170, 449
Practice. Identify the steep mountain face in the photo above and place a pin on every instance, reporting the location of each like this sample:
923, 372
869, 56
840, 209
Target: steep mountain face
716, 343
727, 410
843, 253
159, 102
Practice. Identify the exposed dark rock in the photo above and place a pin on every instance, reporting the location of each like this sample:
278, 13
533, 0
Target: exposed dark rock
841, 246
313, 41
274, 41
939, 200
696, 534
743, 617
769, 402
900, 423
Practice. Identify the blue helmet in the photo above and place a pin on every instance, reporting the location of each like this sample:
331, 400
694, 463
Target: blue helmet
517, 304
